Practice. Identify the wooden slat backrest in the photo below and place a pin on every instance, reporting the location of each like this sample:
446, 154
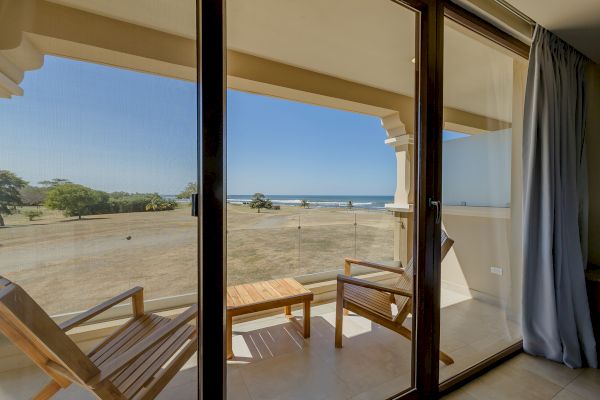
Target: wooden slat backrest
28, 326
405, 281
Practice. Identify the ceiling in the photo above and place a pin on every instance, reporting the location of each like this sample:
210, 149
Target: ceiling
372, 43
575, 21
368, 42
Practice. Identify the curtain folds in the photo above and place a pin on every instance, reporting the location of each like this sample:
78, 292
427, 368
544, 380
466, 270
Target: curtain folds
556, 317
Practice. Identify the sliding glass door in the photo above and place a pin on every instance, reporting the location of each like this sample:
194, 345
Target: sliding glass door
484, 86
98, 161
304, 202
320, 181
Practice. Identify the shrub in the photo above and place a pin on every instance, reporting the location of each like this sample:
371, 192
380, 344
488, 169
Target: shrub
130, 202
157, 203
32, 214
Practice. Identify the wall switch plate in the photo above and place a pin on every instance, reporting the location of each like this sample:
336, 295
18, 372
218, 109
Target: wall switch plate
496, 270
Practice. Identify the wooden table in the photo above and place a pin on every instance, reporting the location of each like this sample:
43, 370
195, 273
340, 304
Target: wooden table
266, 295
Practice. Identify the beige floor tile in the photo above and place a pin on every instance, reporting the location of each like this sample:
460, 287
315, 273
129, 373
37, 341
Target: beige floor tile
236, 387
587, 384
505, 383
386, 389
293, 376
460, 394
568, 395
550, 370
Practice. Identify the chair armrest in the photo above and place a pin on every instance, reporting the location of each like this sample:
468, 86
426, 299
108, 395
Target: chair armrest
144, 345
372, 285
136, 293
388, 268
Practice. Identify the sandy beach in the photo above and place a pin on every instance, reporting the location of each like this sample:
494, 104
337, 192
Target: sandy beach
68, 265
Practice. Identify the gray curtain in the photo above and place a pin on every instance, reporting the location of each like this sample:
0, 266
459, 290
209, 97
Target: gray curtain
556, 315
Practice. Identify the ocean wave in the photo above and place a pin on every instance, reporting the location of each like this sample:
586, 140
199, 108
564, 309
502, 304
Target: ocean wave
322, 203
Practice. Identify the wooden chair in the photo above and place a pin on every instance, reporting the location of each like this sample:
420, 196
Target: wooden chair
135, 362
374, 301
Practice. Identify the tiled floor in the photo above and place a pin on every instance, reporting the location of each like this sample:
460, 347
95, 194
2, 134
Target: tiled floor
525, 377
273, 361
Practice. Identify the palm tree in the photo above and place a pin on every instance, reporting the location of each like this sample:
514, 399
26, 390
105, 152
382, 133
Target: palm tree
304, 203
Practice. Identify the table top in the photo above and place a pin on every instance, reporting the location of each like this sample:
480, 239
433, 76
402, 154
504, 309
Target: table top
248, 294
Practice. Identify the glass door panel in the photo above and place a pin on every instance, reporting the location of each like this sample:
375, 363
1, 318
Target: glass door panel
480, 293
97, 165
320, 181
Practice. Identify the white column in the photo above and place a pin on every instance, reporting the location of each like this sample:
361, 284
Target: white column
403, 145
14, 63
516, 190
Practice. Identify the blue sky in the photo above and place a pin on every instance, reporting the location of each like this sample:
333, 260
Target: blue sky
281, 147
106, 128
118, 130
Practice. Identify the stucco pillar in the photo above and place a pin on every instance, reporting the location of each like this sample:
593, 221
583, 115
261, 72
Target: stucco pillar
17, 53
516, 190
403, 145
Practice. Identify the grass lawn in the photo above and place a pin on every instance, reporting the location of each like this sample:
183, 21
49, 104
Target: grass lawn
69, 265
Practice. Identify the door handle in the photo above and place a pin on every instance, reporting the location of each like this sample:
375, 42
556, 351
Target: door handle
195, 205
435, 204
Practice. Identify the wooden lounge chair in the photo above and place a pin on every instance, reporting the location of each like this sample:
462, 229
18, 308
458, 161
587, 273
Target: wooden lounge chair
135, 362
374, 301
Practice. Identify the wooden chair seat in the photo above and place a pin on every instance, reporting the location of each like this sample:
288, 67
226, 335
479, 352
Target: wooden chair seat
373, 300
140, 373
134, 363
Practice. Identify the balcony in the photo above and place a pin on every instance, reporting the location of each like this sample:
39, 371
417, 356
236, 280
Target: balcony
273, 360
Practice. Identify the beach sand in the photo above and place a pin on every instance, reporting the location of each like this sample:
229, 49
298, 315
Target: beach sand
69, 265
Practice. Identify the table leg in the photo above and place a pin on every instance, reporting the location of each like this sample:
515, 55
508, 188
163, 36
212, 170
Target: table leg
288, 311
307, 319
229, 336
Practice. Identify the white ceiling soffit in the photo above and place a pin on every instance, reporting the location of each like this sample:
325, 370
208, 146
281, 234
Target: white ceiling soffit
368, 42
177, 17
576, 21
371, 43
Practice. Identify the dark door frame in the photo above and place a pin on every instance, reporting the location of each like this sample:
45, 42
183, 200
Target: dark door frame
428, 144
212, 278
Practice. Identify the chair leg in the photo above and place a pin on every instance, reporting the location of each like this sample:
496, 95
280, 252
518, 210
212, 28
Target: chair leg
307, 319
445, 358
48, 391
339, 314
229, 336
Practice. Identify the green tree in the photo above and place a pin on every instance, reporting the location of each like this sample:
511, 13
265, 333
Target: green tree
33, 195
189, 190
54, 182
260, 201
74, 200
10, 195
304, 203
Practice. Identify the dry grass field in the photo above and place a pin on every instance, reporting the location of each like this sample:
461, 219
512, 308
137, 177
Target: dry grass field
68, 265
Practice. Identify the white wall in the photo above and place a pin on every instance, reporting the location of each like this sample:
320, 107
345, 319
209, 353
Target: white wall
477, 170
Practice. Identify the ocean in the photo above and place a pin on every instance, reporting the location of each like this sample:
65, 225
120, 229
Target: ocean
320, 201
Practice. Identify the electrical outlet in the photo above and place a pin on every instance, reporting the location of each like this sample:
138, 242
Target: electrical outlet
496, 270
